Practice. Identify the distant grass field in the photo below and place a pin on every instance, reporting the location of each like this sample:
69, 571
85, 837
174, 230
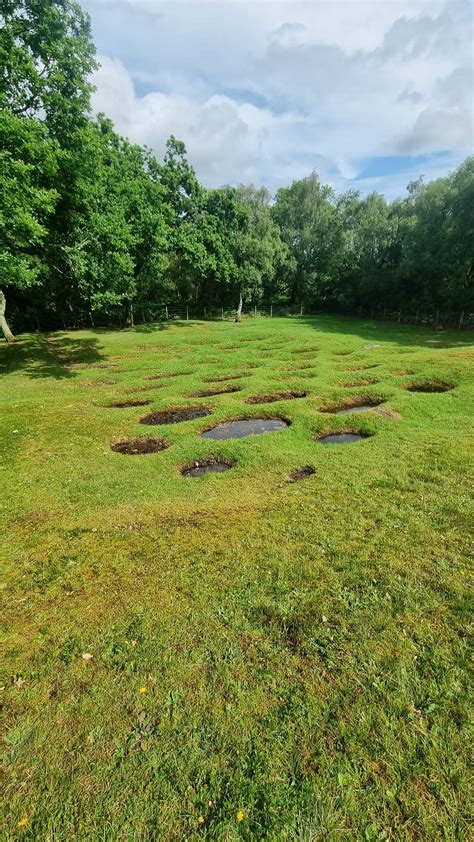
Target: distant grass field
270, 660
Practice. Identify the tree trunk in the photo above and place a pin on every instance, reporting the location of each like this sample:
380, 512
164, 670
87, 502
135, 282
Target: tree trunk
239, 308
3, 322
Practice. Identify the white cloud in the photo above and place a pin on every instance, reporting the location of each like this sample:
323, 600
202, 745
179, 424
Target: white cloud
266, 92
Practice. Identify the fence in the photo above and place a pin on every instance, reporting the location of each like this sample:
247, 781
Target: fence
436, 319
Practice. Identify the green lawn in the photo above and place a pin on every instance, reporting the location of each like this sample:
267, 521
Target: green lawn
269, 660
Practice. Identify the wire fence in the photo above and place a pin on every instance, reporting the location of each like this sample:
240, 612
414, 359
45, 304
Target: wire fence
436, 319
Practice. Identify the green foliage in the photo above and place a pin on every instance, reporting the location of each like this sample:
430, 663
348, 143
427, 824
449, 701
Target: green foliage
94, 228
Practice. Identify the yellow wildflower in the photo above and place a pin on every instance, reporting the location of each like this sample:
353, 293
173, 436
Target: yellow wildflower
23, 822
240, 815
142, 690
201, 820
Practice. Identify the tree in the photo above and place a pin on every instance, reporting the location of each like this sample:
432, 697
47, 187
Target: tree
28, 161
310, 226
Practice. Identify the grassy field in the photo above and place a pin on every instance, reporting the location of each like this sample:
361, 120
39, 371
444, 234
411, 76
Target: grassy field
236, 656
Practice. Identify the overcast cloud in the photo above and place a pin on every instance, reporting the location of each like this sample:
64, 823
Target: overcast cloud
370, 94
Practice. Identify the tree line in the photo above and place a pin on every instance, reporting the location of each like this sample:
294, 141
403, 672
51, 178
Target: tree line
95, 230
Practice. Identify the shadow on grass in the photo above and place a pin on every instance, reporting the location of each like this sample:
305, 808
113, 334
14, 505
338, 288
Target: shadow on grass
398, 334
39, 355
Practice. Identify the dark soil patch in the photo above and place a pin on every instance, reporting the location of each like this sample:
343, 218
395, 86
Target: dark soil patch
224, 377
174, 415
301, 473
297, 367
99, 383
139, 445
276, 396
131, 402
86, 366
342, 437
361, 367
356, 403
364, 381
429, 386
241, 427
210, 465
208, 393
167, 375
136, 389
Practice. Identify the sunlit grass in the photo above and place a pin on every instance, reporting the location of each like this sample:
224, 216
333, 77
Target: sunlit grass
264, 659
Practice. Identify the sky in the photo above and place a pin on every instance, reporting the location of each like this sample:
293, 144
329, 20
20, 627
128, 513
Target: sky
369, 94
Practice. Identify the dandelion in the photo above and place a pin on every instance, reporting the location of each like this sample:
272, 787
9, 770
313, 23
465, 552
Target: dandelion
201, 820
23, 822
142, 690
240, 815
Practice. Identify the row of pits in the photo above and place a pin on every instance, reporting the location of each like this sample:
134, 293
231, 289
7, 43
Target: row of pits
239, 428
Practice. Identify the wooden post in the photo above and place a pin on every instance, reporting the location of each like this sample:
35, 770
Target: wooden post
204, 312
271, 311
461, 320
417, 315
166, 311
222, 314
187, 314
255, 311
301, 309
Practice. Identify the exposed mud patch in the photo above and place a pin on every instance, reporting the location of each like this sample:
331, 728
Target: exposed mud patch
130, 402
342, 437
303, 367
210, 465
363, 381
208, 393
301, 473
139, 445
361, 367
276, 396
99, 383
175, 414
356, 403
222, 378
167, 375
136, 389
89, 367
429, 386
242, 427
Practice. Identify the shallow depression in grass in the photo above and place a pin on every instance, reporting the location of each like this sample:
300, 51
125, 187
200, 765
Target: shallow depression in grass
341, 438
245, 427
210, 465
174, 415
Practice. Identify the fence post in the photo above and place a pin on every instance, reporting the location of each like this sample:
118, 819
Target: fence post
417, 316
166, 312
461, 320
187, 314
271, 311
222, 314
255, 311
204, 312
